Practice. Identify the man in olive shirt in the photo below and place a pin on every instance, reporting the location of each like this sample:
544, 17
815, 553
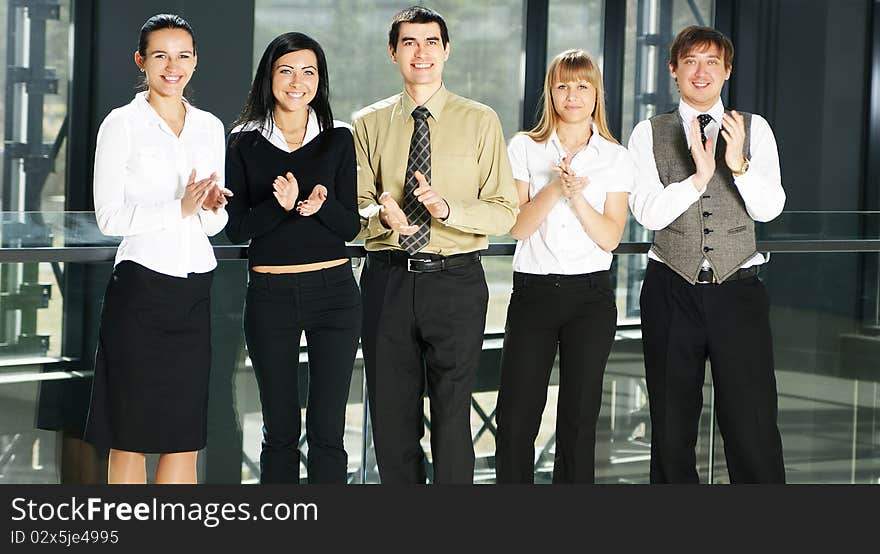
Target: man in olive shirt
433, 181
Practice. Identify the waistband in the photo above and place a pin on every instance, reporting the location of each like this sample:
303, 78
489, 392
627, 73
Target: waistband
424, 262
559, 280
707, 276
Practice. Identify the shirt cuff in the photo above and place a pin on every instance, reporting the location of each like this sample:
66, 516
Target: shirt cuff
456, 208
689, 191
373, 227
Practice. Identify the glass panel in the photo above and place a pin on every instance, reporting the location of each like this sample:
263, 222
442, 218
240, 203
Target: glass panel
575, 24
33, 109
33, 104
651, 26
826, 348
484, 38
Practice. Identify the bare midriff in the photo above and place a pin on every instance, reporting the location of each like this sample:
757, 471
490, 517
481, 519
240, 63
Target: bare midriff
298, 268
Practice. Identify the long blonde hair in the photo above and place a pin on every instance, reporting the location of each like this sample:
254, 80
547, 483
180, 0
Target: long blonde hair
571, 65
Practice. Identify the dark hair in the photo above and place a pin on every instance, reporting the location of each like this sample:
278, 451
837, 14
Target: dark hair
696, 36
416, 14
159, 22
260, 102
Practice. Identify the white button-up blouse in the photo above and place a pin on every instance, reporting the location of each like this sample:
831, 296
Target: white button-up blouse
560, 245
141, 172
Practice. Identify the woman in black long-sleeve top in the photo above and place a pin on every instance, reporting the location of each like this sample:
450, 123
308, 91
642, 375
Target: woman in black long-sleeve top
294, 175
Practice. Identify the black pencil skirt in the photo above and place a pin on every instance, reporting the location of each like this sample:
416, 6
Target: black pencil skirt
150, 391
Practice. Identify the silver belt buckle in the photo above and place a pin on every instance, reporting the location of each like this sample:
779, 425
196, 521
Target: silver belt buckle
409, 266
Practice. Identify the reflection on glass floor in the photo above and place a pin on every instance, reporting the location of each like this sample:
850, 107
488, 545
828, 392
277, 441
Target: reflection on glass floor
830, 429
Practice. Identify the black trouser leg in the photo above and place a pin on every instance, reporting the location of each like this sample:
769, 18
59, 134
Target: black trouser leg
741, 352
273, 332
326, 304
451, 319
674, 343
585, 343
531, 335
395, 372
331, 359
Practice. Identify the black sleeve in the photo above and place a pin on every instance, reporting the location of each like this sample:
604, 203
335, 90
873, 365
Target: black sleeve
339, 212
246, 221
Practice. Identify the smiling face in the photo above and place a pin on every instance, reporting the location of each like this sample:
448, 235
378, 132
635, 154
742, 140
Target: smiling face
295, 80
169, 61
420, 54
700, 75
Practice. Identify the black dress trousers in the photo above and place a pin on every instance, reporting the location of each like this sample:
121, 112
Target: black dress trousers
325, 304
577, 315
422, 332
728, 323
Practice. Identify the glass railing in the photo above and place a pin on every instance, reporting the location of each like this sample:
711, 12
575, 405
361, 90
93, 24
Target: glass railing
823, 286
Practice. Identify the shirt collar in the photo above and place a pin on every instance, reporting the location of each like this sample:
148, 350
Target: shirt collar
687, 112
140, 100
275, 136
434, 104
596, 142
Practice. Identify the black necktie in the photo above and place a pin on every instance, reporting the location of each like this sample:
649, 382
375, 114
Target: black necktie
419, 160
704, 120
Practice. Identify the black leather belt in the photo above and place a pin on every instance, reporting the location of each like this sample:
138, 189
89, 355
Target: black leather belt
707, 276
424, 263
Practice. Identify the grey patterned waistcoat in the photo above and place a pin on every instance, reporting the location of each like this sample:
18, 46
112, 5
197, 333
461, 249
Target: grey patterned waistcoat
717, 226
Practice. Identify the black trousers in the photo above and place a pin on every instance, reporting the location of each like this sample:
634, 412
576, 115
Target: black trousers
326, 305
577, 313
422, 332
682, 326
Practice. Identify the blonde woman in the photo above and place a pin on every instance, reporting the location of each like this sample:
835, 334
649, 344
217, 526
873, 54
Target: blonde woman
573, 179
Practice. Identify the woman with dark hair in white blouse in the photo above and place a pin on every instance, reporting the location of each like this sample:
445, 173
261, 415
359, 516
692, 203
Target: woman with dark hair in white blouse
159, 163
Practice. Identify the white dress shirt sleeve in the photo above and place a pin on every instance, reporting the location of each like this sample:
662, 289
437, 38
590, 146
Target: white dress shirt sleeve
213, 223
115, 216
761, 186
654, 206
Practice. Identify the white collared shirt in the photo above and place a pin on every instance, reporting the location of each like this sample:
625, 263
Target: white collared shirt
760, 187
274, 135
141, 172
560, 245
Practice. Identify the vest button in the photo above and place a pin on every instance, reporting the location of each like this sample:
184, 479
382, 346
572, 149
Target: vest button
707, 249
707, 214
707, 231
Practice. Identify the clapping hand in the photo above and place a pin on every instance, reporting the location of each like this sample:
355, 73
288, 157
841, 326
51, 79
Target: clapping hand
734, 132
196, 193
313, 203
703, 154
216, 198
437, 206
286, 190
393, 217
570, 184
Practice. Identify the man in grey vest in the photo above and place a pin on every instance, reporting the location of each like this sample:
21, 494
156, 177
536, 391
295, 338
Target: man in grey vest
704, 176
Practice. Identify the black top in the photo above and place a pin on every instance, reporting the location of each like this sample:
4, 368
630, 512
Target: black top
279, 237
